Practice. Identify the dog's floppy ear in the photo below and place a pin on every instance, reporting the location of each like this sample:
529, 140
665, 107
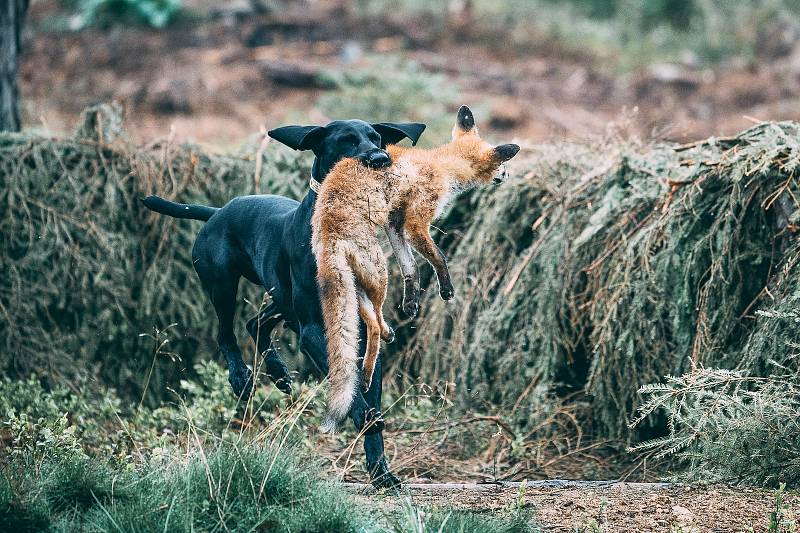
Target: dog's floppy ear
299, 137
393, 133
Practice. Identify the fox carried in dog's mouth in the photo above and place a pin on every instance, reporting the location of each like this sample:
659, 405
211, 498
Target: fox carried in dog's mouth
354, 201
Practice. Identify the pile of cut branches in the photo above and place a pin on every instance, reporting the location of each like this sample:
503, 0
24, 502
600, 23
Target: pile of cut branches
87, 270
604, 266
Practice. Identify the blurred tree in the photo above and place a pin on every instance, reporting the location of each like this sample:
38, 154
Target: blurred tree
106, 13
12, 15
649, 13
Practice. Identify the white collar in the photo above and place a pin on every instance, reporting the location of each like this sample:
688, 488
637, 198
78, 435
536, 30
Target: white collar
314, 184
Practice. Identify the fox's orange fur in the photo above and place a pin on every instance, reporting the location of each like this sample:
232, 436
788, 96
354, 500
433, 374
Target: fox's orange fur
353, 202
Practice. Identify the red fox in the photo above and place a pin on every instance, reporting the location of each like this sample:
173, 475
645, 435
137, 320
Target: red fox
353, 202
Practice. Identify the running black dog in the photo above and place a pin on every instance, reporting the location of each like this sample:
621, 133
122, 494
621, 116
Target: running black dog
267, 239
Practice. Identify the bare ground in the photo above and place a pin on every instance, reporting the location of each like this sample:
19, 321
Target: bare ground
607, 506
214, 81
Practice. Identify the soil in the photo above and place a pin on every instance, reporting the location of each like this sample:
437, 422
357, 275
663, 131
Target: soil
218, 80
607, 507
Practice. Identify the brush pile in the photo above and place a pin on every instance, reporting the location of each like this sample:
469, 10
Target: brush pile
602, 267
598, 268
86, 269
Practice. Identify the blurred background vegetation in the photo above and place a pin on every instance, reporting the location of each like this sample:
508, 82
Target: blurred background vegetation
622, 251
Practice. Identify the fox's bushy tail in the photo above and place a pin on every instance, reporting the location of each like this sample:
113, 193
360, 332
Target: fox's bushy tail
176, 210
340, 311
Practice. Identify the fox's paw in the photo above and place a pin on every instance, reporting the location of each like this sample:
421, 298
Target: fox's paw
447, 293
284, 385
411, 308
388, 335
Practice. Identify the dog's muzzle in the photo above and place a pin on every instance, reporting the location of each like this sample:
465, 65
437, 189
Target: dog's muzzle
376, 159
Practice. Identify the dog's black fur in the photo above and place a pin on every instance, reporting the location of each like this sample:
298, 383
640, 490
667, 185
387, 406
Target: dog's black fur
267, 239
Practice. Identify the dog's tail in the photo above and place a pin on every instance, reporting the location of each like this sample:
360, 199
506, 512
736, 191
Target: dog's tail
176, 210
340, 312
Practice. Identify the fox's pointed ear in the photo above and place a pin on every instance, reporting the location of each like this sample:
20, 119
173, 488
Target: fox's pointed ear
393, 133
504, 152
465, 120
299, 137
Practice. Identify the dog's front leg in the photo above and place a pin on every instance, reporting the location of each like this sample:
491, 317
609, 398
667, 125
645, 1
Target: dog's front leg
377, 465
408, 266
312, 343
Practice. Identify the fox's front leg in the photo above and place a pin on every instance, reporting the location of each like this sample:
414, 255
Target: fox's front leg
408, 266
422, 242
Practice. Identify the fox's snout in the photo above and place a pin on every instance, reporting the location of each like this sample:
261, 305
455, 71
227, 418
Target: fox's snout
500, 176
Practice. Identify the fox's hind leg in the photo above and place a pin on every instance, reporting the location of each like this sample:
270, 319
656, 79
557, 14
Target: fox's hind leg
372, 277
367, 312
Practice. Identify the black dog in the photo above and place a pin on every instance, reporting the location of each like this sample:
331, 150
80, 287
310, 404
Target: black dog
267, 239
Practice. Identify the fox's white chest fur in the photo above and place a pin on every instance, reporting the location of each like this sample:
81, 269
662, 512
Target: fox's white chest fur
409, 171
445, 199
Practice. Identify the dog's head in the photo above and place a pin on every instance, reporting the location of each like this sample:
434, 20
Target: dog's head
347, 138
487, 160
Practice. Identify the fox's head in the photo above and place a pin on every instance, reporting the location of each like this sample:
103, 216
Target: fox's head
486, 160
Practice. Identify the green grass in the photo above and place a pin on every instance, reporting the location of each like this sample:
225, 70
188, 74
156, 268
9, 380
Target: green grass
237, 488
415, 520
627, 33
230, 487
86, 462
393, 89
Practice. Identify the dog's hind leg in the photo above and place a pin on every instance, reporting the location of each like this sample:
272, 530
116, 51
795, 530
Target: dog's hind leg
260, 329
223, 296
222, 285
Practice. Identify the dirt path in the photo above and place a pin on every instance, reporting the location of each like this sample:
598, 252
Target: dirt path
607, 506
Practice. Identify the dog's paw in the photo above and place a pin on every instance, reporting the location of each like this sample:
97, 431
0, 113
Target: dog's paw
410, 308
447, 293
284, 385
382, 478
241, 381
373, 421
278, 373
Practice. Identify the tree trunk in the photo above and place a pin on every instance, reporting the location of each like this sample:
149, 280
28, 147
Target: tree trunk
12, 15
